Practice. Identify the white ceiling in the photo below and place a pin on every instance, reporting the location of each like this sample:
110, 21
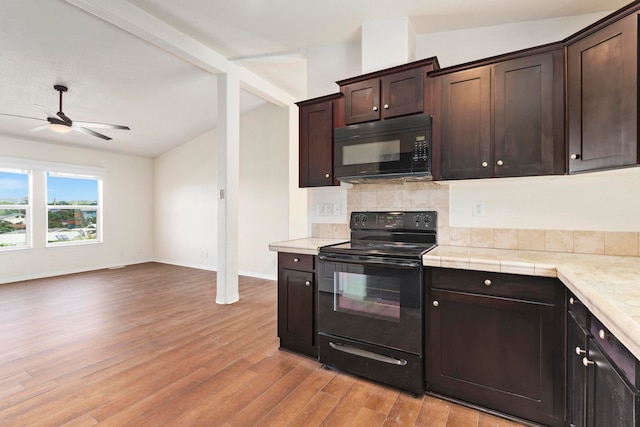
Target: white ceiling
116, 77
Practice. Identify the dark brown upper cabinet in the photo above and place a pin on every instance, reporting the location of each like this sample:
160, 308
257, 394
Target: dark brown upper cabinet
393, 92
501, 117
602, 102
318, 117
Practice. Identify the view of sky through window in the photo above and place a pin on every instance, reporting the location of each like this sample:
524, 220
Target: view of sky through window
14, 187
71, 190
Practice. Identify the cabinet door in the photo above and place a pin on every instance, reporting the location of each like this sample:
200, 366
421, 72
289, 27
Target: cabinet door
529, 116
466, 124
603, 97
316, 145
362, 101
296, 311
610, 399
576, 372
402, 93
500, 353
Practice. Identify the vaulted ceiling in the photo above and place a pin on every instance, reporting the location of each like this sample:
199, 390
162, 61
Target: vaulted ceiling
114, 76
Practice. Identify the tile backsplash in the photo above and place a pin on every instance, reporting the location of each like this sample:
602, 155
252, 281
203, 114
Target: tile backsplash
432, 196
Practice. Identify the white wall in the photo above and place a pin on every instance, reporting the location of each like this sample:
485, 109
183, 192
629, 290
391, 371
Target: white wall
127, 214
186, 204
185, 185
458, 47
597, 201
330, 63
264, 188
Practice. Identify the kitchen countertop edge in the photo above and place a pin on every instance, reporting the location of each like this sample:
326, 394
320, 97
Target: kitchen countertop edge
306, 245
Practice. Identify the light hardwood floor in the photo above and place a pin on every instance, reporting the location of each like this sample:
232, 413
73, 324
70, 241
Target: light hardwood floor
146, 345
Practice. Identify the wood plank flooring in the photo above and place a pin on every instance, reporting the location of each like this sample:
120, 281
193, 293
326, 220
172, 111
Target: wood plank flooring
146, 345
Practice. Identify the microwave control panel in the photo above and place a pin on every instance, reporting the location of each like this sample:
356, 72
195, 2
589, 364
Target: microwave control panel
421, 148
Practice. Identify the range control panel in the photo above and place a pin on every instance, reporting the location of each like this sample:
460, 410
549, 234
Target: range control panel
407, 220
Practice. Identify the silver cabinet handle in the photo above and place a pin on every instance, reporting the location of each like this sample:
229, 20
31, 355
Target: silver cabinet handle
602, 334
485, 164
375, 108
327, 175
386, 106
487, 282
435, 303
586, 362
308, 283
499, 163
575, 157
580, 351
296, 260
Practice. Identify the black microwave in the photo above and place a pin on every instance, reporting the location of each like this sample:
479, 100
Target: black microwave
392, 148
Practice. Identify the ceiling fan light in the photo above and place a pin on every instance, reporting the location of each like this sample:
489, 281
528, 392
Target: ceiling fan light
56, 127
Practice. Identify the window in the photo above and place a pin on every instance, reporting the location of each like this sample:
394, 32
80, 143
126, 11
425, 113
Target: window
73, 209
15, 209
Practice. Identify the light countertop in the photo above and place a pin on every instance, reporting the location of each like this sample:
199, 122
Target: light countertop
609, 286
307, 245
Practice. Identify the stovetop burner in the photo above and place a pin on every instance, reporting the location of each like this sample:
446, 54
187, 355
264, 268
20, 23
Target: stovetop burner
389, 234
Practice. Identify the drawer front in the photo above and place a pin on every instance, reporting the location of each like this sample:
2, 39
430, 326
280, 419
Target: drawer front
530, 288
577, 309
614, 350
296, 261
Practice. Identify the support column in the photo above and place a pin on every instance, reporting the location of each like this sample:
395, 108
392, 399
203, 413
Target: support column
387, 43
228, 185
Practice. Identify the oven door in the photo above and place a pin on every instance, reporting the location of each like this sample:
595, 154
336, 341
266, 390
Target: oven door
371, 300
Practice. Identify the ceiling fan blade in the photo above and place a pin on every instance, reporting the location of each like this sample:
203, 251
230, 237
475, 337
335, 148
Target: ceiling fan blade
46, 110
90, 132
22, 117
38, 128
100, 125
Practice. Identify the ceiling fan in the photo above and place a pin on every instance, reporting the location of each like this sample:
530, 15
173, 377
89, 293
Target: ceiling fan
61, 123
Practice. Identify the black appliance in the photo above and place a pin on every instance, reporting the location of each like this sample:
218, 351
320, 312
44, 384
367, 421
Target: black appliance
391, 148
371, 298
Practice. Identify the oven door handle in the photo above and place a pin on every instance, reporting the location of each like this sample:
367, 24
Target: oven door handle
368, 354
377, 261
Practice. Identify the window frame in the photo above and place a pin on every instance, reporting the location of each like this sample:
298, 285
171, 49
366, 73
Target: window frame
56, 173
28, 208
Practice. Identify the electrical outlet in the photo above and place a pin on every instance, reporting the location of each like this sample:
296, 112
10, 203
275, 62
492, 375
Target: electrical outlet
477, 208
337, 209
328, 209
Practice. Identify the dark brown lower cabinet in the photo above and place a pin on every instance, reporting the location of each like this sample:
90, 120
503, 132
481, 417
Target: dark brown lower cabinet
611, 400
297, 326
497, 341
577, 338
602, 375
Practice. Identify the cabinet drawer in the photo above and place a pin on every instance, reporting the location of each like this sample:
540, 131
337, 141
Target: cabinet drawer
296, 261
614, 350
530, 288
577, 309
